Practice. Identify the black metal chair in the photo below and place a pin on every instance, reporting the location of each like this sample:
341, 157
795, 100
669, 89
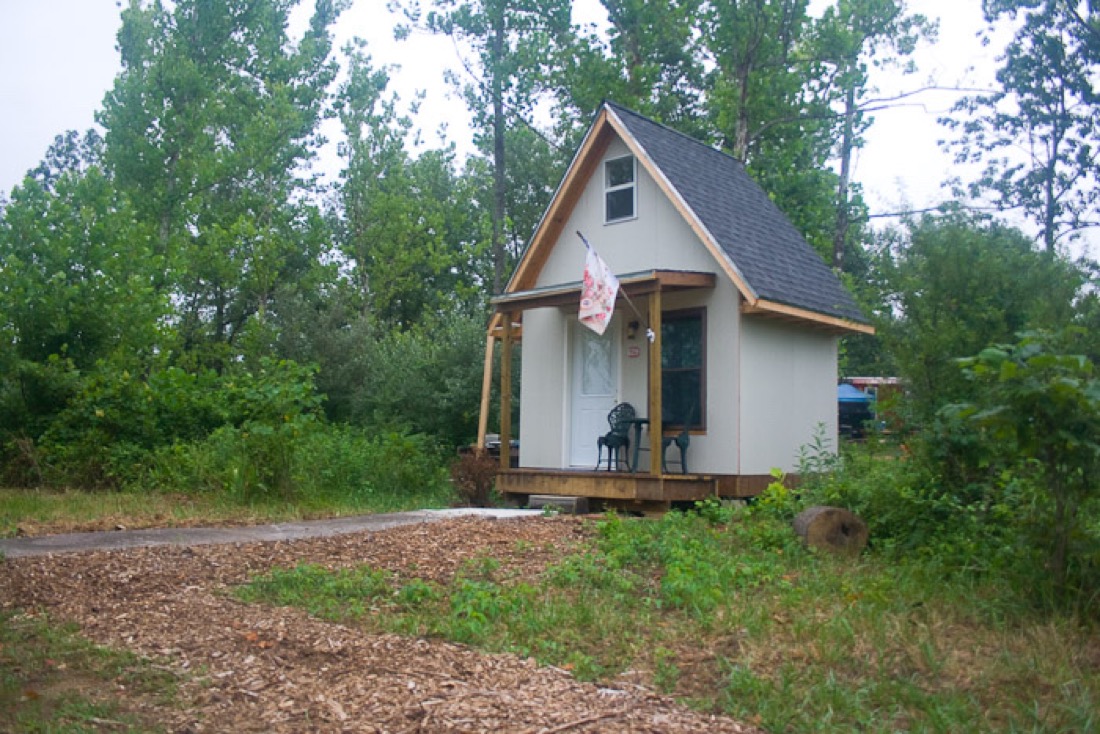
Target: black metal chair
617, 440
682, 441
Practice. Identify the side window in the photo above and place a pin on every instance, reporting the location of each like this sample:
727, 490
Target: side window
619, 189
683, 368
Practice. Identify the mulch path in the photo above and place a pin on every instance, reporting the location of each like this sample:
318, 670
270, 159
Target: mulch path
248, 667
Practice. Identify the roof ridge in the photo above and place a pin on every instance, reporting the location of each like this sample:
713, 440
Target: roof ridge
695, 141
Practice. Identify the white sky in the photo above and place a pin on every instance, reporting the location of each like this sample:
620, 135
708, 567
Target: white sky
58, 58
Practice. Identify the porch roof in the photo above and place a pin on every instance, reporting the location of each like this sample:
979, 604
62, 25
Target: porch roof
633, 284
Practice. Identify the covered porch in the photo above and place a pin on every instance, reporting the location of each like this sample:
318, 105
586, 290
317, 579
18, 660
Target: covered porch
641, 299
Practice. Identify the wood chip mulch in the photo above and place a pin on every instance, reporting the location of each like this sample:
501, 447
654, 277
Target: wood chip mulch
254, 668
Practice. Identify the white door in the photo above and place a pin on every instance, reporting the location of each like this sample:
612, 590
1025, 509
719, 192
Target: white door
595, 390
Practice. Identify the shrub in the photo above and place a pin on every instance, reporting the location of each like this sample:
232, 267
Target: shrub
304, 460
1038, 413
473, 475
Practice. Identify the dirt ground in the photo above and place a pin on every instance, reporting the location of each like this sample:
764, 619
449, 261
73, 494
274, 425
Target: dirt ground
253, 668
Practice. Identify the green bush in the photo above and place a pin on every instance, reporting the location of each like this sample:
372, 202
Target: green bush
119, 417
909, 509
303, 460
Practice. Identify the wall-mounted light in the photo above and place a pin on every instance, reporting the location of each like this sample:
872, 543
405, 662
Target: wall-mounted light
632, 330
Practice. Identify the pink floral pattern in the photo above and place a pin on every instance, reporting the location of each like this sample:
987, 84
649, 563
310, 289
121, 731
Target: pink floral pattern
598, 293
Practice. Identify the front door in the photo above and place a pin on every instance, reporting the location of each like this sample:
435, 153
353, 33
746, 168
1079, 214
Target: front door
595, 390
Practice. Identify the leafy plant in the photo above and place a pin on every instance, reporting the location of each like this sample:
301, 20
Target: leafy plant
1038, 410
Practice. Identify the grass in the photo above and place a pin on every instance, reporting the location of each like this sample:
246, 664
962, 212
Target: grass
736, 617
52, 680
39, 512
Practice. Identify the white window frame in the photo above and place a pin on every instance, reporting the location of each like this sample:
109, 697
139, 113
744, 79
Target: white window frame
632, 185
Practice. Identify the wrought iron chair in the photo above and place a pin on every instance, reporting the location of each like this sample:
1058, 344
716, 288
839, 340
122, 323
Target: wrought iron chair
682, 441
617, 440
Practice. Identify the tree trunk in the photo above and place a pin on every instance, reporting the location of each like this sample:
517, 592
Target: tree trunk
497, 53
832, 529
840, 236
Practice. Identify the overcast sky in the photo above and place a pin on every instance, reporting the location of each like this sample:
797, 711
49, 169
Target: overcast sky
58, 59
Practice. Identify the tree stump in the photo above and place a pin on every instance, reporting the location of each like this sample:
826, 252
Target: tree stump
832, 529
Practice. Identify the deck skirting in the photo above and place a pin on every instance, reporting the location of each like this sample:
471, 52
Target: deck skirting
517, 484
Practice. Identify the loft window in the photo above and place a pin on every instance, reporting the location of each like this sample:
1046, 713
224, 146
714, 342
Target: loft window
683, 368
619, 189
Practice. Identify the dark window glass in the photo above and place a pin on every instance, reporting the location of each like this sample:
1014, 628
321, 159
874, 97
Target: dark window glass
620, 204
619, 188
620, 172
683, 369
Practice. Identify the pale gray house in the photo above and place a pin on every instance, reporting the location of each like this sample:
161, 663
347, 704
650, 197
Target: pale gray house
745, 315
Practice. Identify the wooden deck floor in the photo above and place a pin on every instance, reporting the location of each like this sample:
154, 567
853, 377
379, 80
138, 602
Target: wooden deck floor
625, 488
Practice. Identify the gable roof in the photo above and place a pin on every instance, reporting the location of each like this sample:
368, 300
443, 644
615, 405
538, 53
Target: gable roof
772, 265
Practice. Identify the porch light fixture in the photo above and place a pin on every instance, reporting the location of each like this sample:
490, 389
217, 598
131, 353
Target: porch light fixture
632, 330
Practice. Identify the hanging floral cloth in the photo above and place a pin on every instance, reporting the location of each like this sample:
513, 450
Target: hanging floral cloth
598, 293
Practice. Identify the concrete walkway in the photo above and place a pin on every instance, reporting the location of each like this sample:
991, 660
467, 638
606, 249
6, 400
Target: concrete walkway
118, 539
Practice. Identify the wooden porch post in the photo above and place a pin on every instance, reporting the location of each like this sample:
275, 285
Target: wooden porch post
506, 394
486, 390
656, 430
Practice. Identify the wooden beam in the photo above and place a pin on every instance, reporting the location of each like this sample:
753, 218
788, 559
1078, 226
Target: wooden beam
606, 485
549, 229
656, 430
486, 391
631, 285
782, 310
506, 395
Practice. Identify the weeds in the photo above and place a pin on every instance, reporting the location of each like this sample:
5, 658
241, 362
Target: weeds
725, 609
36, 511
52, 680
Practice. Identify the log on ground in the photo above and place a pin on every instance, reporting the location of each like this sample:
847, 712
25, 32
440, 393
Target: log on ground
833, 529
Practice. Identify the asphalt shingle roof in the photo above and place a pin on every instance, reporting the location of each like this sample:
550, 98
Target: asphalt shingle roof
772, 256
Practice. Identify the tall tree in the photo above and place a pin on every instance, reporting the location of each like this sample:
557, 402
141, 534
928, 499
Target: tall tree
405, 226
513, 41
77, 286
850, 38
757, 78
208, 128
1037, 134
647, 58
955, 285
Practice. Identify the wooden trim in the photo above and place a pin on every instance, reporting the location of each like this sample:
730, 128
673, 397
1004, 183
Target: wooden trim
781, 310
619, 486
496, 325
631, 285
584, 164
654, 385
744, 485
506, 395
681, 206
486, 391
630, 487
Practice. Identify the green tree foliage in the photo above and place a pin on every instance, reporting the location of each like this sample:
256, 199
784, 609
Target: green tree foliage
853, 36
1038, 408
513, 40
77, 286
405, 230
955, 285
781, 90
1036, 134
147, 278
209, 125
647, 60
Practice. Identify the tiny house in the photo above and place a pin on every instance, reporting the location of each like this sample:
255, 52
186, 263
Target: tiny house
724, 334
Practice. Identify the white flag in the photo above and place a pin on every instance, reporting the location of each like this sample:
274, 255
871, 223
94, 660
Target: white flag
598, 293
